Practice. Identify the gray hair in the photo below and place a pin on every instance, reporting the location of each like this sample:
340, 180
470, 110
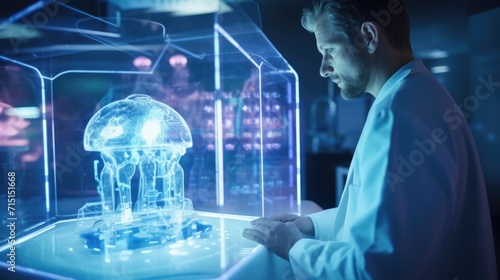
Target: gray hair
347, 16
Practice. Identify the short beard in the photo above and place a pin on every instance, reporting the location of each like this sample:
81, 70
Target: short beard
352, 91
355, 88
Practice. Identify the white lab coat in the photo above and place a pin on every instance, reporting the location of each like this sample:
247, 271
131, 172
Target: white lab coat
415, 204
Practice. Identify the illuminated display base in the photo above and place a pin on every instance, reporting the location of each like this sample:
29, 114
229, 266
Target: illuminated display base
142, 235
57, 251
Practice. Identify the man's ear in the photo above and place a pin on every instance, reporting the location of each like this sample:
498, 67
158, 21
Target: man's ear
371, 31
368, 36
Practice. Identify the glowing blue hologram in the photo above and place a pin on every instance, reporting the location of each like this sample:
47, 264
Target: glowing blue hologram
138, 132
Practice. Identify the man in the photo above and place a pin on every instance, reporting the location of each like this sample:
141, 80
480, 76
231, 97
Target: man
415, 204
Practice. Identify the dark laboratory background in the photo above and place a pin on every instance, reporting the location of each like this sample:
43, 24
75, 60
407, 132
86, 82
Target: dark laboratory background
458, 41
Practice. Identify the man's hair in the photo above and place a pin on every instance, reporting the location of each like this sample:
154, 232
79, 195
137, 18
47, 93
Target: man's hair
347, 16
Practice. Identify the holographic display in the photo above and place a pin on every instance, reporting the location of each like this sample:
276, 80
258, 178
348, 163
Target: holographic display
138, 133
194, 131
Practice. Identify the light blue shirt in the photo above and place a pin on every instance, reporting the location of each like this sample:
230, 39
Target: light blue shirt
414, 205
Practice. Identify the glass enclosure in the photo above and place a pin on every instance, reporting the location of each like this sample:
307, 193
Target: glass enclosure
63, 61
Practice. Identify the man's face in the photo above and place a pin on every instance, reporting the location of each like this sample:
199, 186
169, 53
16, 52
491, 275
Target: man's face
342, 62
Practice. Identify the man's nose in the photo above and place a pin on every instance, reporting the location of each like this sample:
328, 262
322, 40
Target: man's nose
325, 69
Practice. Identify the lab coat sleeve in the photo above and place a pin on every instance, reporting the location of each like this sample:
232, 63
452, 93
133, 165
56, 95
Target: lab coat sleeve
323, 223
397, 208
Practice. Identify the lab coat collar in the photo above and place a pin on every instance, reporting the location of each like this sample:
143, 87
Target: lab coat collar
411, 67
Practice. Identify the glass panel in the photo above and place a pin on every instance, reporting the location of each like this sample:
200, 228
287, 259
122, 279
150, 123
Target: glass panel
212, 66
23, 149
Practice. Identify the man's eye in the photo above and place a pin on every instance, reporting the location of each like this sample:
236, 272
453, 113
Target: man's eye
329, 51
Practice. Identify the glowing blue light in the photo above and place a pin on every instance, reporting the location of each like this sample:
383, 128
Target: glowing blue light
151, 130
110, 132
440, 69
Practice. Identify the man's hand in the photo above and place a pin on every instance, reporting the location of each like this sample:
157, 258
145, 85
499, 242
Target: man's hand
304, 224
279, 237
